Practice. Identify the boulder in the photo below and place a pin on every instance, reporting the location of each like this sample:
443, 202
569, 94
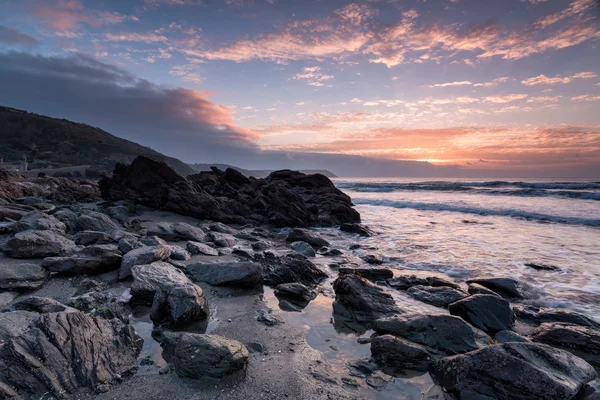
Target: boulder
120, 213
66, 352
443, 333
39, 221
436, 296
398, 353
289, 268
222, 228
38, 304
126, 244
509, 336
67, 217
305, 235
403, 282
201, 248
359, 299
240, 274
513, 371
475, 288
13, 324
141, 256
87, 238
18, 276
95, 221
583, 341
507, 287
147, 279
92, 260
370, 273
303, 248
152, 241
38, 244
360, 229
185, 231
221, 239
295, 293
198, 356
163, 230
539, 315
486, 312
179, 253
260, 246
374, 258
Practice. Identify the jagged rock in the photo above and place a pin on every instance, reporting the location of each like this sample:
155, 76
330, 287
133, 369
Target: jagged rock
152, 241
141, 256
538, 315
186, 231
13, 324
39, 221
401, 354
372, 274
513, 371
303, 248
373, 258
64, 352
201, 248
583, 341
18, 276
509, 336
126, 245
403, 282
488, 313
92, 260
67, 217
436, 296
508, 287
443, 333
38, 244
147, 279
196, 356
221, 239
304, 235
362, 230
163, 230
179, 253
289, 268
475, 288
38, 304
95, 221
87, 238
241, 274
14, 212
542, 267
222, 228
296, 293
359, 299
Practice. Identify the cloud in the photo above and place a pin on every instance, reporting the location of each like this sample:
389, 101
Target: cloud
174, 2
505, 99
544, 80
586, 97
460, 83
12, 36
544, 99
176, 121
313, 76
135, 37
495, 82
575, 8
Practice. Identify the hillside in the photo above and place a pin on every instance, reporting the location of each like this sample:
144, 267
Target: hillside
50, 142
262, 173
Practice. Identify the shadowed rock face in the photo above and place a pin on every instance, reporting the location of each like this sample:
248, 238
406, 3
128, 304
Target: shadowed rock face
284, 198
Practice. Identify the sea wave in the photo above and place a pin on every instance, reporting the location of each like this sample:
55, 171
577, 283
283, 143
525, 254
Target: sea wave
480, 211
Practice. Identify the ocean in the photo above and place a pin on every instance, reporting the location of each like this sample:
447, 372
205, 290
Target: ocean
466, 228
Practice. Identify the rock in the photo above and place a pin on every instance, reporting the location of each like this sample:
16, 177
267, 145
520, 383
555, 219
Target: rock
7, 298
303, 248
443, 333
201, 248
13, 324
403, 282
38, 221
508, 287
398, 353
326, 252
65, 352
475, 288
222, 228
362, 300
373, 258
542, 267
95, 221
360, 229
488, 313
92, 260
296, 293
267, 318
583, 341
305, 235
538, 315
513, 371
436, 296
163, 230
141, 256
289, 268
179, 253
508, 336
147, 279
153, 241
196, 356
38, 244
241, 253
38, 304
14, 212
67, 217
372, 274
260, 246
179, 305
241, 274
186, 231
87, 238
16, 276
120, 213
255, 347
285, 305
221, 239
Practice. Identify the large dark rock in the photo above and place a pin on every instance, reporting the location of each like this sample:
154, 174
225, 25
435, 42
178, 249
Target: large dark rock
359, 299
403, 282
201, 248
141, 256
95, 221
198, 356
398, 353
305, 235
370, 273
92, 260
13, 324
295, 293
507, 287
87, 238
40, 221
38, 304
18, 276
38, 244
446, 334
486, 312
538, 315
60, 353
289, 268
436, 296
240, 274
360, 229
185, 231
303, 248
513, 371
583, 341
284, 198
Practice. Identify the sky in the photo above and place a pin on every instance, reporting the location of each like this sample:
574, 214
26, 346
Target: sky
365, 88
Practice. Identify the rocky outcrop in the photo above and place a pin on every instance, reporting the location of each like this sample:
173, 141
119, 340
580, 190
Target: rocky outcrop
60, 353
289, 268
513, 371
486, 312
92, 260
197, 356
240, 274
362, 301
583, 341
38, 244
436, 296
284, 198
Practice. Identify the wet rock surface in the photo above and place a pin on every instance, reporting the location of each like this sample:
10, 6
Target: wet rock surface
539, 315
289, 268
370, 273
240, 274
583, 341
401, 354
404, 282
92, 260
486, 312
507, 287
141, 256
296, 293
436, 296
